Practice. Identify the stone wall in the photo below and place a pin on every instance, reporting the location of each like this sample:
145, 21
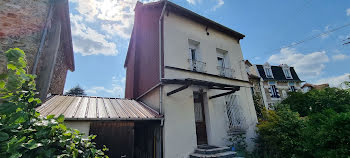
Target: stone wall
60, 72
21, 26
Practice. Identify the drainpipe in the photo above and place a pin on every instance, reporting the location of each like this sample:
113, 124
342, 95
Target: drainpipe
42, 41
160, 74
160, 56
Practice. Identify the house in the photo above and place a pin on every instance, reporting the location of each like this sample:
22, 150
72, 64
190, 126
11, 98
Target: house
308, 87
190, 70
42, 30
276, 82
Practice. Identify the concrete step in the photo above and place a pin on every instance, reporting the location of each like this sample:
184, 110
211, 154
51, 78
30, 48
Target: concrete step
226, 154
215, 150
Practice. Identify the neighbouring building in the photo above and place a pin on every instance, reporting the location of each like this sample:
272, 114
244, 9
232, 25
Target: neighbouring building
308, 87
255, 82
276, 82
191, 70
41, 28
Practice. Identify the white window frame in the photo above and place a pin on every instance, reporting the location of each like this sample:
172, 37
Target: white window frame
268, 70
286, 71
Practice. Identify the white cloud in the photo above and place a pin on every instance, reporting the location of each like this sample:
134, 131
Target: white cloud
88, 41
334, 81
348, 12
218, 4
115, 90
115, 17
339, 57
193, 2
306, 65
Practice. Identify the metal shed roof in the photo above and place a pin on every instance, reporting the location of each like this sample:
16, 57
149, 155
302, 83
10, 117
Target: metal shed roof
97, 108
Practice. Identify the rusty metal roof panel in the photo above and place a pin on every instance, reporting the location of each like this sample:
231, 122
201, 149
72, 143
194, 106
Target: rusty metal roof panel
96, 108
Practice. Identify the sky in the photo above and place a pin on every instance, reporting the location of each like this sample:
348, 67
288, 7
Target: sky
306, 34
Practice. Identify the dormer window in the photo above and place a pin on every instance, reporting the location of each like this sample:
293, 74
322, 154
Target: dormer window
268, 70
286, 71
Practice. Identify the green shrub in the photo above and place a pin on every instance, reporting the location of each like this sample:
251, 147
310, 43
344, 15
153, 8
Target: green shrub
323, 131
280, 134
23, 133
318, 100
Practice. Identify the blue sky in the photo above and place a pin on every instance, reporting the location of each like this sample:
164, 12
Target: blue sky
101, 32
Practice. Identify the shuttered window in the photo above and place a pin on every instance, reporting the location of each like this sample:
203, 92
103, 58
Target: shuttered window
274, 91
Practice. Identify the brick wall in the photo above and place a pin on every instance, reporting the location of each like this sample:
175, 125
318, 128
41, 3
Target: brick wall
21, 24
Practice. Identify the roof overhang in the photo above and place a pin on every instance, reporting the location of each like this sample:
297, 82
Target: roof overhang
62, 8
208, 84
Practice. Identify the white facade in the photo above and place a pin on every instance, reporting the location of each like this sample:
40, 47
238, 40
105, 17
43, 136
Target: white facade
179, 132
82, 126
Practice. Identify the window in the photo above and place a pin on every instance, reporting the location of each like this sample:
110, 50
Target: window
194, 57
268, 72
292, 89
223, 63
273, 91
286, 71
193, 53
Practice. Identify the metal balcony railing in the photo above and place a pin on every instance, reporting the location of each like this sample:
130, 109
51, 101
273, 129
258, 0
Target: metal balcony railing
197, 66
225, 72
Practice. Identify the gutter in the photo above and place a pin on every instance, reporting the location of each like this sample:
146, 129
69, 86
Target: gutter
43, 37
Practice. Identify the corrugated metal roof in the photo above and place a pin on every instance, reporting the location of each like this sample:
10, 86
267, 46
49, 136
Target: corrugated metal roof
96, 108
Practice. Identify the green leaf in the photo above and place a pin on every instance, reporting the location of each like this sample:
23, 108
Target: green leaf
20, 120
11, 67
50, 116
3, 136
30, 99
60, 119
31, 144
2, 84
16, 155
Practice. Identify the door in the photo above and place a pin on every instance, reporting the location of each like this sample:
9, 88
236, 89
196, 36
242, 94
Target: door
117, 136
201, 130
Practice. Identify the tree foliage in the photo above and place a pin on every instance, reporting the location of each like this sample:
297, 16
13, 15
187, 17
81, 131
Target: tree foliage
322, 131
23, 133
76, 91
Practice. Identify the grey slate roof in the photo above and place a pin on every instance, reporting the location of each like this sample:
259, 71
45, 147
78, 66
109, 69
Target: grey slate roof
277, 73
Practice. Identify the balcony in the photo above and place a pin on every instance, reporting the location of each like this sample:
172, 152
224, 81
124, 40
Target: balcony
197, 66
225, 72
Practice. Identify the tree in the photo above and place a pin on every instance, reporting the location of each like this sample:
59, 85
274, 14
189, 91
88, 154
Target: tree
23, 133
322, 131
76, 91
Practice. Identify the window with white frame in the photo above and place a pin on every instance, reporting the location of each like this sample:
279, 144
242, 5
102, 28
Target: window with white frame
286, 71
194, 57
268, 70
223, 63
